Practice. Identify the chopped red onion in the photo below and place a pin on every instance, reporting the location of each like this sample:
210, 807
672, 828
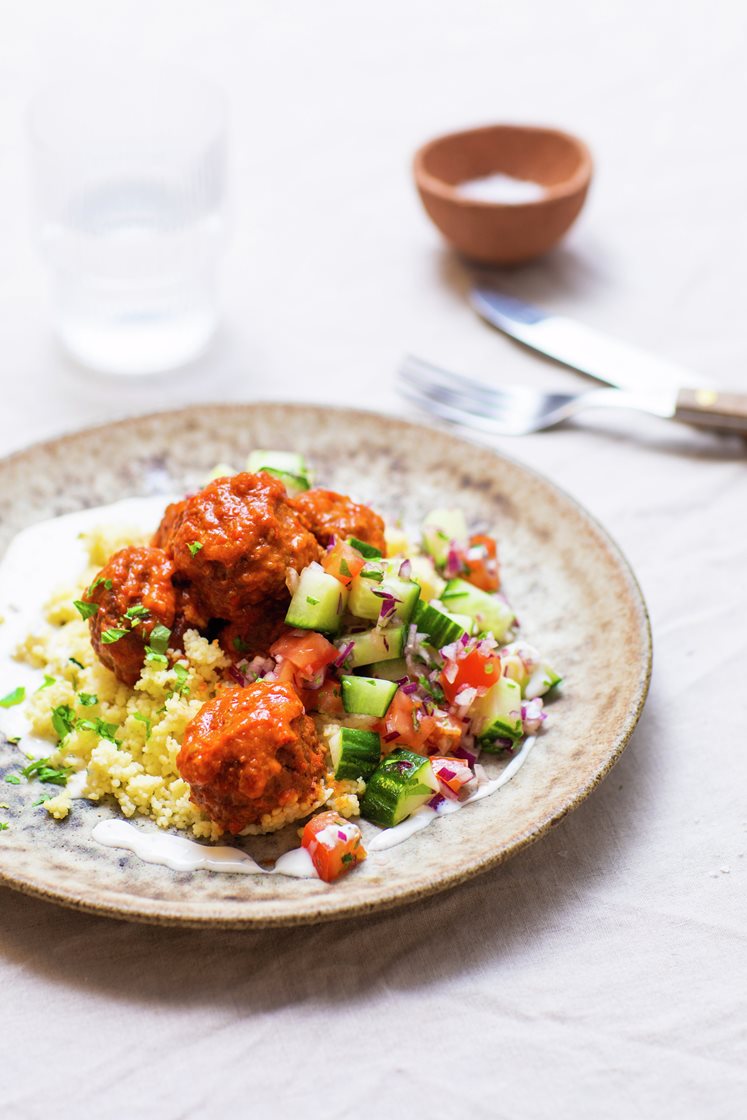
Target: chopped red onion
345, 652
405, 569
450, 671
331, 543
390, 736
409, 688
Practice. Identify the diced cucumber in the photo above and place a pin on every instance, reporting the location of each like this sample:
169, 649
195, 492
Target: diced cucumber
366, 550
318, 602
543, 680
489, 611
423, 572
440, 627
440, 528
401, 783
497, 714
367, 696
393, 670
378, 579
375, 645
355, 753
287, 466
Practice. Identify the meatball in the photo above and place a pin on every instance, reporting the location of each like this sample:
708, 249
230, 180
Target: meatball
232, 545
133, 592
327, 514
258, 629
251, 752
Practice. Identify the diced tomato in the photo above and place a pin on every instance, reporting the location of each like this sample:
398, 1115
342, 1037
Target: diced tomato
481, 563
327, 699
473, 669
334, 844
310, 653
446, 735
407, 719
343, 562
452, 773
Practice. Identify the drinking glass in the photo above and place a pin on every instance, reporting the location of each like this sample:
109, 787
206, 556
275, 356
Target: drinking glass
129, 174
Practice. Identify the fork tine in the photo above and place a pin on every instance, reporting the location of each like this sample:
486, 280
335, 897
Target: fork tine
498, 407
413, 368
455, 415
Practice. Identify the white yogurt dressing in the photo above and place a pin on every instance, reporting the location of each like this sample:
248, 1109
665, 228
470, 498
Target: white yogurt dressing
181, 854
52, 554
501, 188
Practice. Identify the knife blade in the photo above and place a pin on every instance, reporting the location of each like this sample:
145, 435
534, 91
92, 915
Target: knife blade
582, 348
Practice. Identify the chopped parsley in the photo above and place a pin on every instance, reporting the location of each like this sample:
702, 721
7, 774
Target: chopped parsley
40, 800
74, 661
182, 679
155, 657
97, 583
143, 719
12, 779
347, 858
88, 699
84, 609
63, 720
194, 547
40, 768
17, 696
99, 727
47, 682
109, 637
15, 740
137, 613
3, 826
239, 644
159, 638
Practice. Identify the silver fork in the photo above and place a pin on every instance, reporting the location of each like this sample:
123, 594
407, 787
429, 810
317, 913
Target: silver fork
517, 411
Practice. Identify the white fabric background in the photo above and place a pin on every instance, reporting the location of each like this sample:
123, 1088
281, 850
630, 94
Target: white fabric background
602, 973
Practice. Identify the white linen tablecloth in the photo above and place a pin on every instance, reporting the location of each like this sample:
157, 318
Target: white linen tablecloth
601, 973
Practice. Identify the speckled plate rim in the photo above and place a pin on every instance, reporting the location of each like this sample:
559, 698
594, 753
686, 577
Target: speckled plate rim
155, 911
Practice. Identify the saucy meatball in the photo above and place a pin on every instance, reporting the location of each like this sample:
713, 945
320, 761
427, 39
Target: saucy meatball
232, 544
252, 751
133, 592
327, 514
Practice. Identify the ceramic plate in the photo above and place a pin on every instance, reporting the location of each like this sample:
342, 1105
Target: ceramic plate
578, 599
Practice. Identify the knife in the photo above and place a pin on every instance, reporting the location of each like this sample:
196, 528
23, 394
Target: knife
582, 348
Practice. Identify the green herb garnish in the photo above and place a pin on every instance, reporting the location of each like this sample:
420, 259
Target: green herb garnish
40, 800
97, 583
182, 679
53, 775
47, 682
159, 638
88, 699
155, 657
143, 719
115, 634
63, 720
12, 779
344, 569
312, 601
194, 547
137, 613
239, 644
17, 696
3, 826
84, 609
74, 661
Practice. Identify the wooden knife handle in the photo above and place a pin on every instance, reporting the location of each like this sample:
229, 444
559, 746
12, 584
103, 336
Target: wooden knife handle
708, 408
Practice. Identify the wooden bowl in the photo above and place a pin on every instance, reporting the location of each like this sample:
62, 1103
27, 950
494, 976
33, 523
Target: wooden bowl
504, 232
